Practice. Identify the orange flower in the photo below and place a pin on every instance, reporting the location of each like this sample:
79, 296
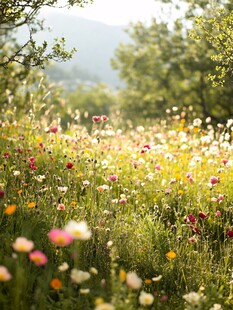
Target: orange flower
31, 205
122, 276
148, 281
171, 255
20, 192
10, 209
55, 283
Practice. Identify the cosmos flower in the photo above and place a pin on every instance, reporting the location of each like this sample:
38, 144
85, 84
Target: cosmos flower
4, 274
22, 244
38, 258
78, 230
60, 237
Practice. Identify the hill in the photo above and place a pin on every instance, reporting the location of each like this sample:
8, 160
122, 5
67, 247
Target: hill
95, 43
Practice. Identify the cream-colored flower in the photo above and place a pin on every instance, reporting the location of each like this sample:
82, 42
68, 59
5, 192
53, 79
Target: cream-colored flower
146, 299
193, 298
216, 307
84, 291
105, 306
79, 276
133, 281
63, 267
78, 230
22, 244
93, 270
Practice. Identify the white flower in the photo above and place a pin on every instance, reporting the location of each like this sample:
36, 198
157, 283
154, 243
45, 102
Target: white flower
105, 306
63, 267
146, 299
39, 178
84, 291
197, 122
157, 279
78, 230
216, 307
62, 189
16, 173
192, 298
133, 281
79, 276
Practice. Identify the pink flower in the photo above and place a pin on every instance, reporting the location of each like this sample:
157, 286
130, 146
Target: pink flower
123, 201
113, 178
224, 161
158, 167
189, 175
53, 129
60, 237
32, 159
38, 258
214, 180
69, 165
192, 240
22, 244
2, 194
96, 118
145, 148
218, 213
61, 206
220, 198
203, 215
190, 218
104, 118
4, 274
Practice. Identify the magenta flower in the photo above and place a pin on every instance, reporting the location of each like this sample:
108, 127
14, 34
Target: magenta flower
104, 118
113, 178
96, 119
214, 180
60, 237
38, 258
203, 215
190, 219
53, 129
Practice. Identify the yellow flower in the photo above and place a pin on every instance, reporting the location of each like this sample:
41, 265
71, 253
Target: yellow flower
171, 255
31, 205
99, 301
10, 209
180, 192
122, 276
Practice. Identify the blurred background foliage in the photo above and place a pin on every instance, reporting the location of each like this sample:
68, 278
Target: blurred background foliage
184, 61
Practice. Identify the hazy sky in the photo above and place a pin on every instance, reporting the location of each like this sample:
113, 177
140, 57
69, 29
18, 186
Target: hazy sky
118, 12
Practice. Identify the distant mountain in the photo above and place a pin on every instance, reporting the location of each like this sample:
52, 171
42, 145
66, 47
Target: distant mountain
95, 42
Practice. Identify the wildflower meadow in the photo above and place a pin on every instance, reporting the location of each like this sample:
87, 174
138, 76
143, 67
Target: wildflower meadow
117, 216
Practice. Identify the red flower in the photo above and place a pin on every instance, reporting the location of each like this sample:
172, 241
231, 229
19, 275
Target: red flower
6, 155
195, 229
230, 233
69, 165
190, 218
2, 193
203, 215
104, 118
96, 118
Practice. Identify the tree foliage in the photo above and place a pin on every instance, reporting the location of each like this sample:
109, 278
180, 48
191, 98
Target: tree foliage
218, 31
22, 14
163, 67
